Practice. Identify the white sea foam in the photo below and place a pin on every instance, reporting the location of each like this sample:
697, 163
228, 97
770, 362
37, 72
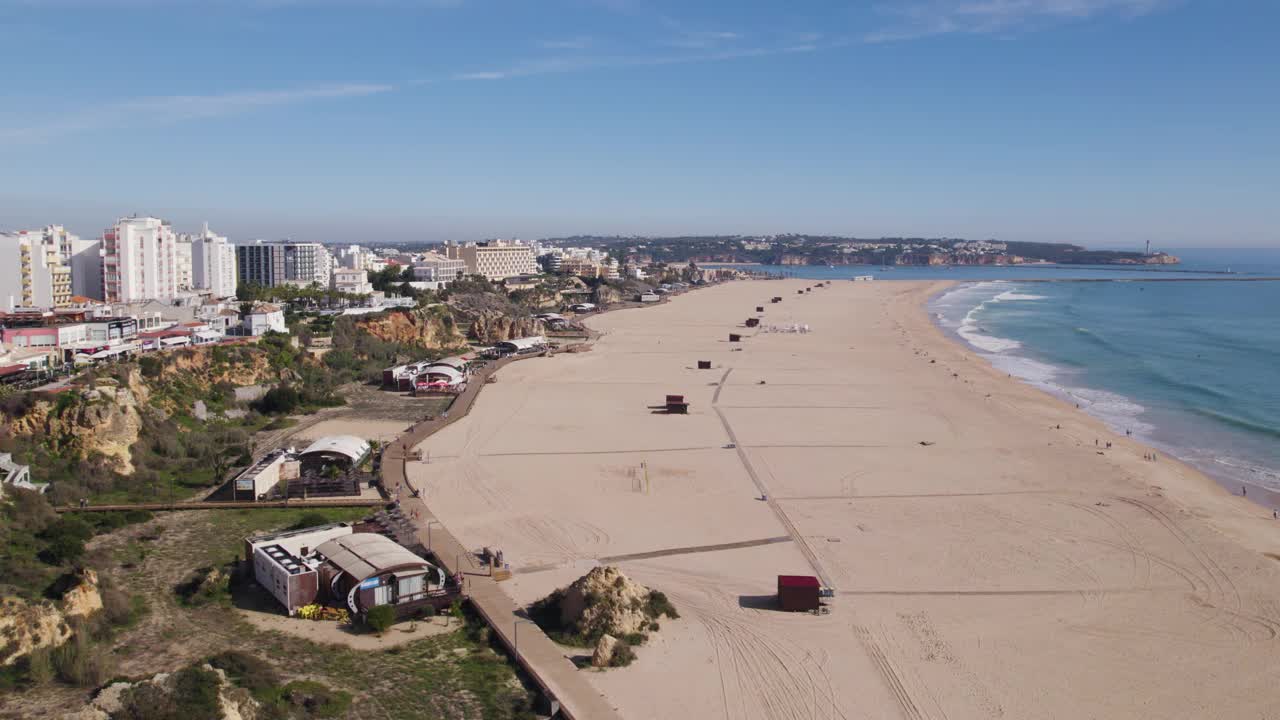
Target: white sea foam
1010, 295
975, 334
1229, 469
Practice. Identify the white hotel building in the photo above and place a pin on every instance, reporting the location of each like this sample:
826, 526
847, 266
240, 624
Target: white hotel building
495, 259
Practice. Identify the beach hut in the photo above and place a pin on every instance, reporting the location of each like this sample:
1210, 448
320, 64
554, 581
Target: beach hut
704, 364
676, 405
734, 337
759, 308
798, 593
753, 322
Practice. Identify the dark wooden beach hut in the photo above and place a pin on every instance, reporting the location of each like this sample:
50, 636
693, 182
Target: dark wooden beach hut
798, 593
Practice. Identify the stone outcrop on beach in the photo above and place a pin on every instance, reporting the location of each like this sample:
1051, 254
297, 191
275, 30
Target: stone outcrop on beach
27, 626
603, 655
605, 600
602, 603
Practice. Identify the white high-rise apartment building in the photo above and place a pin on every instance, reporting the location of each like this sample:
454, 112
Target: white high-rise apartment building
213, 264
182, 255
32, 273
139, 260
81, 257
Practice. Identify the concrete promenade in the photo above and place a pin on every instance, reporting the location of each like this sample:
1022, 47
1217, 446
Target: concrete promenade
543, 660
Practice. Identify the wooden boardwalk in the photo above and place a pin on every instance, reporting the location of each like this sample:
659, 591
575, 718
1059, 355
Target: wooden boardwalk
556, 676
213, 505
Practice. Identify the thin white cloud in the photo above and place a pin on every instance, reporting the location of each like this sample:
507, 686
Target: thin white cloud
548, 66
924, 18
153, 111
694, 39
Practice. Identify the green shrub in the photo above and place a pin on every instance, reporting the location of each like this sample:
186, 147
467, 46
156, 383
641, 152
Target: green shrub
39, 666
79, 662
150, 366
634, 638
280, 400
658, 605
205, 586
380, 618
195, 696
196, 690
66, 538
623, 655
311, 518
248, 671
316, 699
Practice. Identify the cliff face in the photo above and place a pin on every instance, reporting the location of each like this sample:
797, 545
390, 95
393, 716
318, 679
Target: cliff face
424, 327
491, 327
249, 367
439, 327
105, 419
27, 626
606, 295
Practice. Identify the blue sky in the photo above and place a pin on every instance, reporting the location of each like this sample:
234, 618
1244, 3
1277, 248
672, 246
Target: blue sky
1103, 122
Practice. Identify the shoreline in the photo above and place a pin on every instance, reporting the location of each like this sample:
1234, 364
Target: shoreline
985, 557
1259, 495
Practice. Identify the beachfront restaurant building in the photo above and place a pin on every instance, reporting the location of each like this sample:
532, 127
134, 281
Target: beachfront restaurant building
260, 480
343, 451
364, 570
520, 346
285, 564
440, 379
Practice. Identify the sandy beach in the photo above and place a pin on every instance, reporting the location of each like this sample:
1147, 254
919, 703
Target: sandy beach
988, 559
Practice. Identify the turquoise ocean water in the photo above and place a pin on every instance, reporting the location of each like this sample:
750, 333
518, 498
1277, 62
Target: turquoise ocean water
1192, 368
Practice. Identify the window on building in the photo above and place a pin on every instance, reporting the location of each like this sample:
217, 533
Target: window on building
382, 595
410, 585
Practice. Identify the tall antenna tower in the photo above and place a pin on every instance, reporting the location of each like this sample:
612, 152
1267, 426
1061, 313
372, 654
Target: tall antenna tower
1148, 248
